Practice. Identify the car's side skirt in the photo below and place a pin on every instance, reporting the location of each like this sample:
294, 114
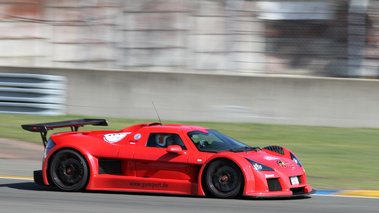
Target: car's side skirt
140, 184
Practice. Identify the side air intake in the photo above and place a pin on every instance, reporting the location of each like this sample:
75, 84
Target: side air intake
109, 166
276, 149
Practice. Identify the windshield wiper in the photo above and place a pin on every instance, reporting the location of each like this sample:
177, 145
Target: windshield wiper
244, 148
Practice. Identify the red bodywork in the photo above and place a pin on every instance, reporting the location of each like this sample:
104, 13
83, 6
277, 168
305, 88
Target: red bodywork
121, 160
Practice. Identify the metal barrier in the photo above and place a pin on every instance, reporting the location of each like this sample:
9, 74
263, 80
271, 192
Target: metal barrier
32, 94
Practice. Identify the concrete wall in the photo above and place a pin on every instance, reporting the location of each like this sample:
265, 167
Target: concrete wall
210, 97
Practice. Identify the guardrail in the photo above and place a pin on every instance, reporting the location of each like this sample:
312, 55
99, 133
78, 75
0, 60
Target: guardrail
32, 94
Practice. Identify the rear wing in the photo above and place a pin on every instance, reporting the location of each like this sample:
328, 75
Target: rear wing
43, 128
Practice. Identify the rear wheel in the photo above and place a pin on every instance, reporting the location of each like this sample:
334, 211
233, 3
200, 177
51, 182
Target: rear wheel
223, 179
69, 170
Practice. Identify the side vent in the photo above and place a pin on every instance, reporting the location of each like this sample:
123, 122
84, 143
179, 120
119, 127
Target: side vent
276, 149
108, 166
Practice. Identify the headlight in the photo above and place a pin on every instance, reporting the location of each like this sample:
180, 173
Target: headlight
259, 167
296, 160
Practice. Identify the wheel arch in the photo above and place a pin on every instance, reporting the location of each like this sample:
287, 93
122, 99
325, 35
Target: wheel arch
89, 160
244, 166
90, 147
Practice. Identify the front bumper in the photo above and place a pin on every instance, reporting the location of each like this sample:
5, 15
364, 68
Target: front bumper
298, 191
280, 195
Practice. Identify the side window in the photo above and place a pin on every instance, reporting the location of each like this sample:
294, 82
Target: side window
163, 140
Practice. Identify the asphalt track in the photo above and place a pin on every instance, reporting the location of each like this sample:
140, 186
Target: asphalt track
18, 193
25, 196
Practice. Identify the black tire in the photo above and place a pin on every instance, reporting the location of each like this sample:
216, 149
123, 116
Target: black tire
69, 170
223, 179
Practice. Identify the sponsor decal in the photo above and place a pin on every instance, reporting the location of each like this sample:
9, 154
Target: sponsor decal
271, 158
283, 164
286, 164
293, 168
137, 136
115, 137
149, 185
269, 176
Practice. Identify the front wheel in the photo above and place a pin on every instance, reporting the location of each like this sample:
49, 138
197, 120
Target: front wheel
223, 179
69, 171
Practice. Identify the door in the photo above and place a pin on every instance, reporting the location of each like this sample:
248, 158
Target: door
153, 161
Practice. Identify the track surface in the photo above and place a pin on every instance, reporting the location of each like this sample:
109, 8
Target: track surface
25, 196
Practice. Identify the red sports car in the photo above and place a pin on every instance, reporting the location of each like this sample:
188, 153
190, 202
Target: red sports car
169, 158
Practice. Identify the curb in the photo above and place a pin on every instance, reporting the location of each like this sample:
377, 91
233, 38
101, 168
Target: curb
349, 193
15, 177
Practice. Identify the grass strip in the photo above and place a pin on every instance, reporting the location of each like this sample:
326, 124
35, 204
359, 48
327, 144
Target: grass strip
334, 158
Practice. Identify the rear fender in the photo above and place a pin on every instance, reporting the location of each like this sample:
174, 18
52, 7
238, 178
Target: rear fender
91, 162
89, 147
95, 146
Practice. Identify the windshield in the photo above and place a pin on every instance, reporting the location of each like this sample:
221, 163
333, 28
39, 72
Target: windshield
213, 141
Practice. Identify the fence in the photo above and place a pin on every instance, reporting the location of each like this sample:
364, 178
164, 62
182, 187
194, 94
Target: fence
309, 37
32, 94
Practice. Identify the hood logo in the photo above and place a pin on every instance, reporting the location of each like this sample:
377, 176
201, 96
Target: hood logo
286, 164
283, 164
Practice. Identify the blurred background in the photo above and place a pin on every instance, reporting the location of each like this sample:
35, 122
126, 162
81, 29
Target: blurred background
251, 62
315, 37
266, 61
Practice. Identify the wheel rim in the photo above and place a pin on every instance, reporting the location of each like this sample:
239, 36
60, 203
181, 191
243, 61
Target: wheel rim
225, 179
69, 171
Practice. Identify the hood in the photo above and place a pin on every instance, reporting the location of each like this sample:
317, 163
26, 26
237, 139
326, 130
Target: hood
278, 163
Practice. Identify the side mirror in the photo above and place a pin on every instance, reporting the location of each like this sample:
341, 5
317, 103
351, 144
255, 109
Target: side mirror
176, 149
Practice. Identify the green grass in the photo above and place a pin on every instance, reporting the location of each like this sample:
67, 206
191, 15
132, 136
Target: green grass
334, 158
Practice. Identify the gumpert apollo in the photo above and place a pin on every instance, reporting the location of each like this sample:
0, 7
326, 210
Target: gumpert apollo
169, 158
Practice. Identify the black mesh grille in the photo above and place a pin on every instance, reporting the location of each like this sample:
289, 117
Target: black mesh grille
297, 191
276, 149
274, 185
